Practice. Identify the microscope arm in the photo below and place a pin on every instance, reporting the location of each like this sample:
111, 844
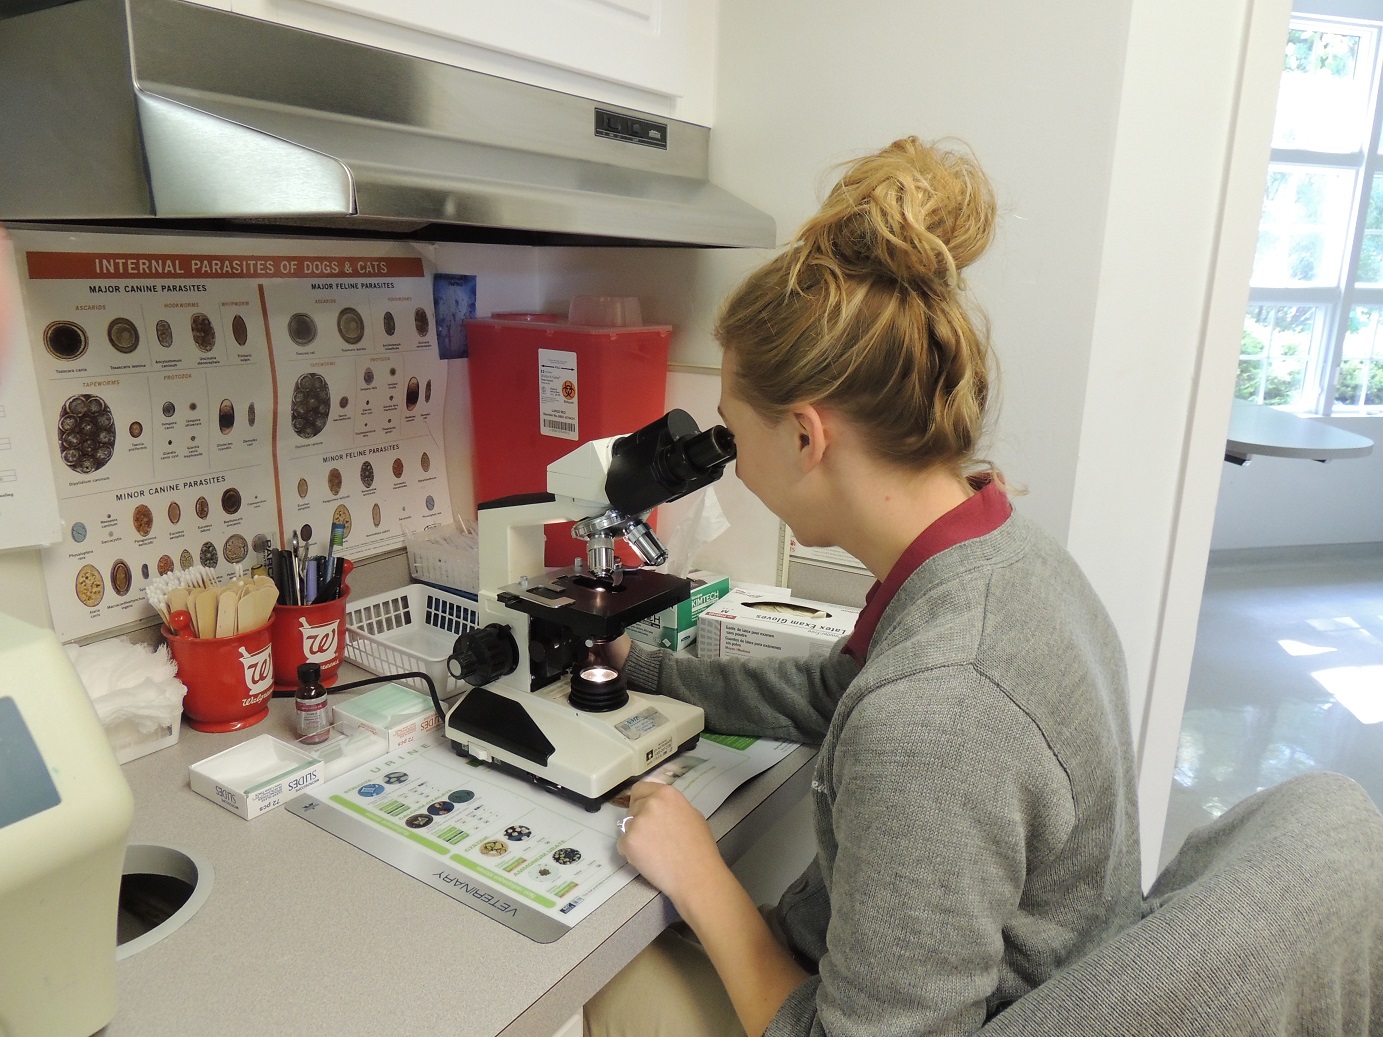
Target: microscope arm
511, 534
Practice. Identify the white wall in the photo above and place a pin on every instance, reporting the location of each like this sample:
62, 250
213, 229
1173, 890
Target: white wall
1033, 89
1194, 131
803, 87
1277, 502
1160, 244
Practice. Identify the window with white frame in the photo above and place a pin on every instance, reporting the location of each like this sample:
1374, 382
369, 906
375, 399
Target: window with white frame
1313, 334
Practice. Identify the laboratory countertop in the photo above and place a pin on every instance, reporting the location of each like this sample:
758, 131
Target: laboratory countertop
305, 933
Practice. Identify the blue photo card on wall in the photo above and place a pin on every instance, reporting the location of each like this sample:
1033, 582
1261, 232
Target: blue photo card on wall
453, 299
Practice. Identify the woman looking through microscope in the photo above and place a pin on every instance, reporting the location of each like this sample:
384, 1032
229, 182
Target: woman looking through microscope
973, 798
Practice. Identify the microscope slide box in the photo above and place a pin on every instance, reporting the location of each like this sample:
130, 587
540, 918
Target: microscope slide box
255, 776
393, 712
750, 624
675, 628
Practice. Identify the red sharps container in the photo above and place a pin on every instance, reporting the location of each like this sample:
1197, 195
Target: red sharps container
541, 388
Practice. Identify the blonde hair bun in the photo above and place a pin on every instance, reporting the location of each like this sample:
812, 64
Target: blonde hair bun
866, 311
916, 213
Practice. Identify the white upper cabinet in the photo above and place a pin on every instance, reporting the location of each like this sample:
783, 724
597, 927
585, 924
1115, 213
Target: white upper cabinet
652, 55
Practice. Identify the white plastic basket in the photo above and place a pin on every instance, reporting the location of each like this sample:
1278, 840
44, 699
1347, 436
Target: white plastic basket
412, 628
446, 557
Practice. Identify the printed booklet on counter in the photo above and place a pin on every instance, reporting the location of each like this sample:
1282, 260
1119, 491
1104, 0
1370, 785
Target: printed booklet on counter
523, 856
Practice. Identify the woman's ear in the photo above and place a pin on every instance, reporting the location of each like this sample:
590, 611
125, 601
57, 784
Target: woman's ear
813, 438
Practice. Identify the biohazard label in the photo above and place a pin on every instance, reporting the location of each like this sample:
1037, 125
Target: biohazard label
557, 395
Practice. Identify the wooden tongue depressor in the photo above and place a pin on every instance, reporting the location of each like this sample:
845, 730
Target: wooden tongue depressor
257, 606
245, 613
177, 600
206, 613
226, 610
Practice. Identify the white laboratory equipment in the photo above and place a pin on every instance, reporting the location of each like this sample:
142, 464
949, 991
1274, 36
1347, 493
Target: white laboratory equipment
65, 814
547, 703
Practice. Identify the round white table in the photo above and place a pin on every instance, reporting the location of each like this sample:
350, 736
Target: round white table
1255, 429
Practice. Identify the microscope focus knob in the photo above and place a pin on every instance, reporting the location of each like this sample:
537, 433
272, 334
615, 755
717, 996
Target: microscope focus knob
484, 655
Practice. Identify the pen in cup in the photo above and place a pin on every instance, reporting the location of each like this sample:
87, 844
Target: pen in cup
303, 578
314, 569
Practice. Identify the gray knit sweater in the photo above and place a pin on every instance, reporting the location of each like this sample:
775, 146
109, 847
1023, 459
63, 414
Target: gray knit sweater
975, 813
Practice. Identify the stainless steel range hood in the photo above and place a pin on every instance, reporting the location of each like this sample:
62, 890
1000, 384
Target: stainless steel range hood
167, 113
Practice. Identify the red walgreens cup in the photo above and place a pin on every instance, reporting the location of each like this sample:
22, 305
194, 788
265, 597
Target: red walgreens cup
229, 679
309, 634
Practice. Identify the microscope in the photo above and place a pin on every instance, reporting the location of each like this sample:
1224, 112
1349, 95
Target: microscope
547, 702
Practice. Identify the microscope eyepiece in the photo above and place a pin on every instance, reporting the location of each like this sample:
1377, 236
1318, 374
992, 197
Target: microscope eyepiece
665, 460
714, 448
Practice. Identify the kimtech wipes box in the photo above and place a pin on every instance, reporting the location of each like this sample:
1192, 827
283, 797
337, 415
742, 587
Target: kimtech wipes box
746, 624
676, 627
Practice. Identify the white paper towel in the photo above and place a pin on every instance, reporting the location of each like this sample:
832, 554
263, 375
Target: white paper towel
128, 682
702, 523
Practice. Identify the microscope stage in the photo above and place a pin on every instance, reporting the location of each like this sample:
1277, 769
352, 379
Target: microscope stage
594, 609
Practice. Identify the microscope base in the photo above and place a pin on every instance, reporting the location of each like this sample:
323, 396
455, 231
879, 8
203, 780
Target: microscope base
590, 805
581, 756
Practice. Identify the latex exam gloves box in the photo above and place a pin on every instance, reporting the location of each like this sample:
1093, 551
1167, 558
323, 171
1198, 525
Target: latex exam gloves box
397, 714
675, 628
750, 624
255, 776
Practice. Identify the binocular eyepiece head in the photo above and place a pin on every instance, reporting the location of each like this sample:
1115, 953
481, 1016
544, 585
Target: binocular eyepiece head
665, 460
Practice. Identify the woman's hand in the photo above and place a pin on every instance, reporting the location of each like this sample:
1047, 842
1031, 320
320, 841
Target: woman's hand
668, 840
671, 844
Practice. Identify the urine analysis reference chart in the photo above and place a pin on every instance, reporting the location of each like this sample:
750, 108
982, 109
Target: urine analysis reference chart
521, 855
196, 393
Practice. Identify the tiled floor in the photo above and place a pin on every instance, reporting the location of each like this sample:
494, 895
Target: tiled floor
1287, 677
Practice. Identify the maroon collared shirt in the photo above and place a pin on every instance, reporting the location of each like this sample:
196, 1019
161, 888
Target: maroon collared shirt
974, 517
